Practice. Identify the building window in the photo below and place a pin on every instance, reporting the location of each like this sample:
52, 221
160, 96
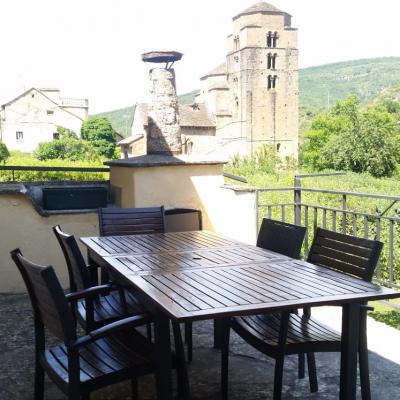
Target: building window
56, 136
278, 146
271, 81
271, 61
269, 39
32, 95
274, 39
19, 136
236, 43
50, 112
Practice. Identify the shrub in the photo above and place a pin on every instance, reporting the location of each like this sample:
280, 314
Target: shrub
4, 153
66, 148
264, 160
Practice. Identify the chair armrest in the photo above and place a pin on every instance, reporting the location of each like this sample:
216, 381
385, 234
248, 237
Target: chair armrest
123, 324
90, 292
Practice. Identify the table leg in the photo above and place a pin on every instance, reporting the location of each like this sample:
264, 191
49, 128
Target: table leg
162, 341
348, 361
218, 328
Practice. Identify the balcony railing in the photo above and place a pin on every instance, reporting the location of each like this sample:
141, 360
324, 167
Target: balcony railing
373, 225
69, 102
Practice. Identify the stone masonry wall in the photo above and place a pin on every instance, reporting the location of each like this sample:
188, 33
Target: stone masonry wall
164, 136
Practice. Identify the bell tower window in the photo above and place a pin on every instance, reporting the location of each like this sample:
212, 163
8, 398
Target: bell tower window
271, 61
269, 39
271, 81
274, 39
236, 43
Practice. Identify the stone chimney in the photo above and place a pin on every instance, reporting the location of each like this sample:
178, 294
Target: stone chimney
163, 132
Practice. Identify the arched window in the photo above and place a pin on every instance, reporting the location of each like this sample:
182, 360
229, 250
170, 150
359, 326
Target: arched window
271, 83
273, 61
269, 39
274, 39
236, 43
269, 61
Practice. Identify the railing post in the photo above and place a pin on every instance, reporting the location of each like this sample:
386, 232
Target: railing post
297, 200
344, 214
257, 212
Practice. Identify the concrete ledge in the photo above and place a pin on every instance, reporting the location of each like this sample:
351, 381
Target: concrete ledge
160, 160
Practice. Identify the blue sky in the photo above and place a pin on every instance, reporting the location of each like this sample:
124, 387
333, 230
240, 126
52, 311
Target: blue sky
92, 48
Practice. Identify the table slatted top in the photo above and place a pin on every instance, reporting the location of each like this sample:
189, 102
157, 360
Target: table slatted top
198, 275
246, 289
145, 264
158, 242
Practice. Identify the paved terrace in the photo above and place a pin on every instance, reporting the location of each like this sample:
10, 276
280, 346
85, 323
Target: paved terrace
251, 374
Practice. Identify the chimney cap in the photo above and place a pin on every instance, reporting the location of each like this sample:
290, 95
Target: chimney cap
160, 56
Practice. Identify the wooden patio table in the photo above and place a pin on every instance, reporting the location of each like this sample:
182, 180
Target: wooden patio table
188, 276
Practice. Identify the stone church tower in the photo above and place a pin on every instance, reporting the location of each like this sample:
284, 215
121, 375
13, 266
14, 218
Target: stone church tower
254, 95
249, 100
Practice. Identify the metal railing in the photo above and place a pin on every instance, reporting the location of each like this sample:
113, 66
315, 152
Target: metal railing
373, 225
14, 168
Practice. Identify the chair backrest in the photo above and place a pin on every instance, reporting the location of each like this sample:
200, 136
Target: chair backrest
79, 277
183, 219
281, 237
48, 300
131, 221
349, 254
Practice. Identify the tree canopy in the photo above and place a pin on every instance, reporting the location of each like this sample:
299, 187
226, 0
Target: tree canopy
99, 132
348, 138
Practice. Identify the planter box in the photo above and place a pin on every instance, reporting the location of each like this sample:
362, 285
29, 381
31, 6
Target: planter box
74, 198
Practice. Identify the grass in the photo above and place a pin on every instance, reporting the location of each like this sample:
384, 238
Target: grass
386, 314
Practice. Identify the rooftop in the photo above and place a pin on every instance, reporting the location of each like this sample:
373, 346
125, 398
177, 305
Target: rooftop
260, 8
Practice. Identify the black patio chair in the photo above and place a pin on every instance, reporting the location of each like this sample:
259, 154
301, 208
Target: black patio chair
112, 301
114, 221
80, 365
281, 237
279, 334
131, 221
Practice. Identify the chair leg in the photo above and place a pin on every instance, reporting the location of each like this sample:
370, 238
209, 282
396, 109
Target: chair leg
363, 360
302, 362
39, 381
135, 388
278, 377
182, 374
312, 372
189, 340
224, 343
149, 333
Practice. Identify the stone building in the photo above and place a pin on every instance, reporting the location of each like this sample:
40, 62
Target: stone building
32, 118
250, 99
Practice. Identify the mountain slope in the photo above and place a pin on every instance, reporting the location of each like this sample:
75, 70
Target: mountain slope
320, 87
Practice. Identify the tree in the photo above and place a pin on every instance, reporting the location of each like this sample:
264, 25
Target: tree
4, 153
348, 138
100, 133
